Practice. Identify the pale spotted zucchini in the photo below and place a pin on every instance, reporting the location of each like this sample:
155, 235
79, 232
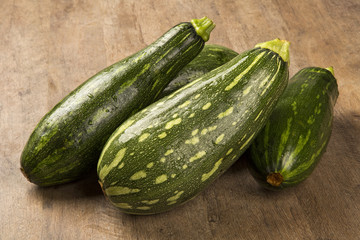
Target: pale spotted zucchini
292, 142
170, 151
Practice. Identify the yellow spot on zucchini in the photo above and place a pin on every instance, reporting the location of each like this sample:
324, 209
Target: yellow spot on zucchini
143, 137
107, 168
226, 113
243, 137
168, 152
197, 96
212, 128
138, 175
206, 176
185, 104
204, 131
172, 123
311, 120
162, 135
150, 202
258, 115
121, 165
191, 115
247, 141
150, 165
206, 106
123, 205
192, 141
195, 132
247, 90
197, 156
162, 159
175, 115
185, 166
284, 137
143, 208
114, 191
229, 151
160, 179
173, 175
175, 197
219, 138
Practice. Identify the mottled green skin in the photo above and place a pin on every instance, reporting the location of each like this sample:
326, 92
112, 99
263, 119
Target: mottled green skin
138, 154
211, 57
68, 140
294, 147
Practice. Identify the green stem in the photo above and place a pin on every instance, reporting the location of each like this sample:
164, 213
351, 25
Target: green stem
330, 69
203, 27
281, 47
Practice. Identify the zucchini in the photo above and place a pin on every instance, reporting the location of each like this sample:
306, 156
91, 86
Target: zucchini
67, 142
292, 142
170, 151
211, 57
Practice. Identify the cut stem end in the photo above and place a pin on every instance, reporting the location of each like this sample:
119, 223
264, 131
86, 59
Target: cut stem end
278, 46
330, 69
275, 179
203, 27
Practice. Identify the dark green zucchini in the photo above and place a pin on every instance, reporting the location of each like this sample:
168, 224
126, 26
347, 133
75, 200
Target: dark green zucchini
211, 57
170, 151
291, 144
67, 142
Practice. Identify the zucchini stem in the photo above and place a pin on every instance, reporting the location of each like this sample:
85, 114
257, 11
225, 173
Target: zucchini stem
274, 179
330, 69
203, 27
281, 47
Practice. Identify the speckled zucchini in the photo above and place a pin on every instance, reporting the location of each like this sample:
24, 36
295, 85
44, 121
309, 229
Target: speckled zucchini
291, 144
211, 57
68, 140
170, 151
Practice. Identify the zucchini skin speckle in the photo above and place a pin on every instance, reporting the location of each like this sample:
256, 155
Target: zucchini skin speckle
292, 142
67, 142
200, 141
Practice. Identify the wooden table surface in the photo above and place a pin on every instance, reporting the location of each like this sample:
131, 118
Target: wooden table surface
47, 48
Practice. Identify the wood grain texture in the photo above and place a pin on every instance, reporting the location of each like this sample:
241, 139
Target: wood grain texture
47, 48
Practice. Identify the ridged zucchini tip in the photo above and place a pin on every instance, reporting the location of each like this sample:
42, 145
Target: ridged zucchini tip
281, 47
203, 27
330, 69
